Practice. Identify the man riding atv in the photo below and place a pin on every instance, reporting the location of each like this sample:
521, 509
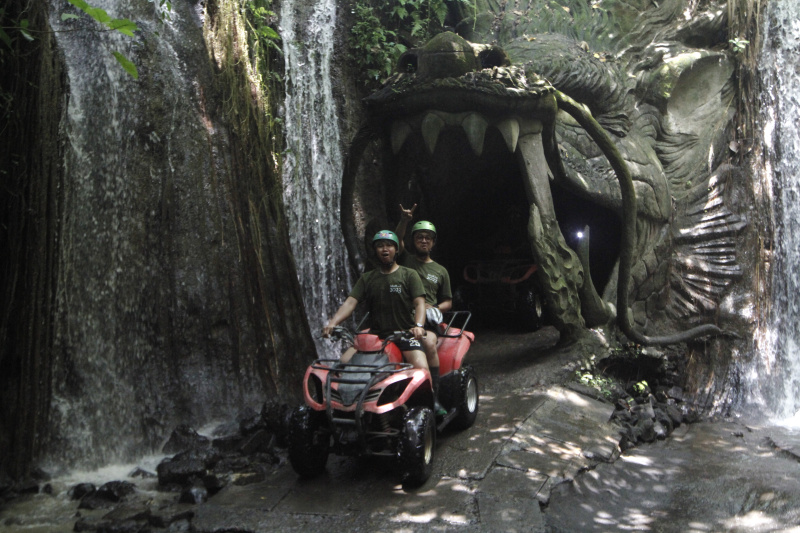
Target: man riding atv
435, 279
395, 299
377, 400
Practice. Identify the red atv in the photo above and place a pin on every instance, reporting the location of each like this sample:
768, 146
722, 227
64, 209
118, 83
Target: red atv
378, 405
502, 288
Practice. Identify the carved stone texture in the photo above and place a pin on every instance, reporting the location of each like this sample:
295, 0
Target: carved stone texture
477, 141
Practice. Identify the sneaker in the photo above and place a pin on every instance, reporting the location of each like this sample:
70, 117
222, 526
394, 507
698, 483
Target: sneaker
439, 408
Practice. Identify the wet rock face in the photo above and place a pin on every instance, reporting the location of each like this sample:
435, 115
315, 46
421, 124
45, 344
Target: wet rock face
164, 244
475, 144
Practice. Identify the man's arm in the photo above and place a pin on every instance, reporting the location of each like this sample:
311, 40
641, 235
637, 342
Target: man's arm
419, 317
445, 305
405, 217
341, 315
445, 295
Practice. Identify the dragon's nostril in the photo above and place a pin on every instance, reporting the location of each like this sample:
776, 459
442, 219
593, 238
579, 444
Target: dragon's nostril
407, 63
493, 57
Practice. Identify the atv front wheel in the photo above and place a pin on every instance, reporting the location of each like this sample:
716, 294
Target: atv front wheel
417, 441
308, 442
468, 398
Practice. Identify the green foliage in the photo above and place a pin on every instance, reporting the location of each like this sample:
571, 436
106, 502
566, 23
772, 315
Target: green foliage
579, 19
599, 382
123, 26
163, 9
258, 24
640, 387
630, 350
384, 30
128, 65
264, 44
588, 375
16, 26
374, 47
738, 45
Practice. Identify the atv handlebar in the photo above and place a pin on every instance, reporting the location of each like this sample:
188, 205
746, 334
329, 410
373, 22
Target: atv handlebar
341, 333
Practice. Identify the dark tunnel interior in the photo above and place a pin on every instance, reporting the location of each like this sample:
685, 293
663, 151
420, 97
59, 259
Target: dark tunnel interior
480, 207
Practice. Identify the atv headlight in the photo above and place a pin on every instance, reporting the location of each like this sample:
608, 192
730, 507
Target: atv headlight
393, 391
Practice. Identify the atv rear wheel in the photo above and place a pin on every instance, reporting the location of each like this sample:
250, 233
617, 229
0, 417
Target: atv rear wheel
417, 441
308, 442
467, 398
531, 309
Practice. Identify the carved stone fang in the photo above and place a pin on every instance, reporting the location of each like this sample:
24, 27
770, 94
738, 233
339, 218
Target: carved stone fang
509, 129
536, 173
475, 127
400, 132
432, 125
558, 264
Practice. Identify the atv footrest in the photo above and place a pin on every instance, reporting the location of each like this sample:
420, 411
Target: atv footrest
451, 414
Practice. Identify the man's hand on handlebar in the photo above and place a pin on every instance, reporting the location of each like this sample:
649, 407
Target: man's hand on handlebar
332, 331
418, 332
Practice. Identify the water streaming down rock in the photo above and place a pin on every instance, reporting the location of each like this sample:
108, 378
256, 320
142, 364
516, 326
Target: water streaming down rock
775, 382
162, 292
313, 161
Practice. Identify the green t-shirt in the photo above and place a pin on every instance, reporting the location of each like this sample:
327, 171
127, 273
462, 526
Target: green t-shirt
434, 277
390, 298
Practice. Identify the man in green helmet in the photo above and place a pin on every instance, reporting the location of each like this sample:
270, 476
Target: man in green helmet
395, 299
438, 295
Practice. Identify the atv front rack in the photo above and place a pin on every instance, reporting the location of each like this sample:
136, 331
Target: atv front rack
364, 375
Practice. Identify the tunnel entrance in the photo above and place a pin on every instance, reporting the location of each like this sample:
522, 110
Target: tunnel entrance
480, 208
478, 205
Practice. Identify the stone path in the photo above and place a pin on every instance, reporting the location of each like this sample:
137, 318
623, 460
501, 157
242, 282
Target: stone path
727, 476
490, 478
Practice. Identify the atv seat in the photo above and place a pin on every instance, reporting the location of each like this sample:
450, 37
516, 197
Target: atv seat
369, 343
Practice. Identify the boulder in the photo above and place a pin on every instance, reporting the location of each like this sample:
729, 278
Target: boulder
182, 438
80, 490
194, 494
250, 422
180, 471
260, 441
107, 495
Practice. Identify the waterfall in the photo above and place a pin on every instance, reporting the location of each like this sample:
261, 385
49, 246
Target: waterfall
777, 384
313, 161
172, 300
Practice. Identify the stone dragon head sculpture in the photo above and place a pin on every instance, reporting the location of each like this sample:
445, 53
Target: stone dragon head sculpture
533, 138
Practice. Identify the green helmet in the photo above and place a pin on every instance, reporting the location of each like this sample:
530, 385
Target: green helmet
424, 225
386, 235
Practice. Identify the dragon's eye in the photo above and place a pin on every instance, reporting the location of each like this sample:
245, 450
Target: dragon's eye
493, 57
